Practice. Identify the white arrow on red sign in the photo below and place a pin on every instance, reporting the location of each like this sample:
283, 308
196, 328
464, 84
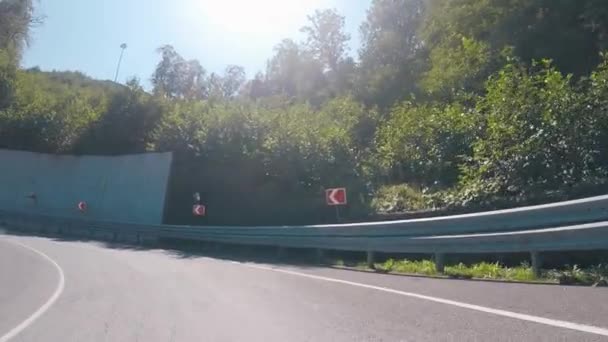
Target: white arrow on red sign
82, 206
335, 196
198, 210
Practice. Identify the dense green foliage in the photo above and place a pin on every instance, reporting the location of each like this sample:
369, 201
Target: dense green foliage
16, 18
462, 104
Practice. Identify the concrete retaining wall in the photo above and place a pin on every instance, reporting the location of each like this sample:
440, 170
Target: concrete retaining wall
129, 188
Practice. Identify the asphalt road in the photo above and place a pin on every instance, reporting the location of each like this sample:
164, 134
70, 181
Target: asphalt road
85, 291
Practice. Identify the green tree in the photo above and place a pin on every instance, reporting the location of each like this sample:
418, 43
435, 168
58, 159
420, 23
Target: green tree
325, 38
178, 78
125, 126
256, 88
571, 33
295, 73
16, 19
227, 85
8, 74
392, 53
459, 64
49, 112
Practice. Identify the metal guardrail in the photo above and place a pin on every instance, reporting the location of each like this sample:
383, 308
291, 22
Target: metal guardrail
579, 237
585, 210
529, 229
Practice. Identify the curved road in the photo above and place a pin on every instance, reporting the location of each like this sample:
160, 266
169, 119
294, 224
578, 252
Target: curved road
113, 294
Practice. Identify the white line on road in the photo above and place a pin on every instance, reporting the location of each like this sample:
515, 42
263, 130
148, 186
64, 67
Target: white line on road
18, 329
524, 317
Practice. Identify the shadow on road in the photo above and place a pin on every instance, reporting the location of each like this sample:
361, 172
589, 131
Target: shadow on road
184, 249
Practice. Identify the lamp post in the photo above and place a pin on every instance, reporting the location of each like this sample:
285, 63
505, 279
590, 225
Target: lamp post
123, 46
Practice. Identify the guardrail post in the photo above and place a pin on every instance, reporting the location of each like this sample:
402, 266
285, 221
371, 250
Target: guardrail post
319, 255
537, 263
440, 262
281, 252
370, 260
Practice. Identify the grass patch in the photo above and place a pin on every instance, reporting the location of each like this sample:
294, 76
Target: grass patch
576, 275
426, 267
521, 273
596, 275
486, 270
361, 265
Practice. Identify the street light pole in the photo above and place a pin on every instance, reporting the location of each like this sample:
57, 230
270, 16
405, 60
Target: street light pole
123, 46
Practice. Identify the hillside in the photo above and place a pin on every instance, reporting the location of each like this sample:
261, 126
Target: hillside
450, 105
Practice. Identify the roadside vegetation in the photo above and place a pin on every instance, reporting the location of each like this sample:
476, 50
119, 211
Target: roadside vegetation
454, 105
568, 275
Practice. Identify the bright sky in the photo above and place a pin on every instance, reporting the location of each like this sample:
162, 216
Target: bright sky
85, 35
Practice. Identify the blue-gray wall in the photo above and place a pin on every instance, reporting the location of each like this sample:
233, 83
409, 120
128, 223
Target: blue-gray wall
129, 188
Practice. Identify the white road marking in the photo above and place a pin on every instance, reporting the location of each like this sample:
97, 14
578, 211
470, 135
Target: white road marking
524, 317
60, 286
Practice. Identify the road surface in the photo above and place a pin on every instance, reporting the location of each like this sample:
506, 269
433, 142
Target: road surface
53, 290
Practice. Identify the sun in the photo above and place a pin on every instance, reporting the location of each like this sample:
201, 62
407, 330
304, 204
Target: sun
257, 17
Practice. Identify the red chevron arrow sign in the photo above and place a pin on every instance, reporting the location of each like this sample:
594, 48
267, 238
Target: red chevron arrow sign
198, 210
335, 196
82, 206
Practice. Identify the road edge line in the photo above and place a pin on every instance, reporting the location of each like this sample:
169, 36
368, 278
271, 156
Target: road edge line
590, 329
47, 305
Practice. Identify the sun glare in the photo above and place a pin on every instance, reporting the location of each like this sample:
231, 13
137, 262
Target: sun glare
257, 17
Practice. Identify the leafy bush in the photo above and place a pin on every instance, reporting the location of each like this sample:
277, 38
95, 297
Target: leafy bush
541, 137
398, 198
46, 115
268, 160
424, 143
